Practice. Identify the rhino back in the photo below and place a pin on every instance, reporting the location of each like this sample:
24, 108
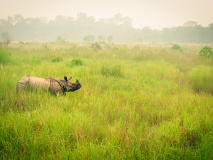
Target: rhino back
39, 83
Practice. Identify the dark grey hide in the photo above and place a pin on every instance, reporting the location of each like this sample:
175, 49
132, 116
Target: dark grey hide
53, 85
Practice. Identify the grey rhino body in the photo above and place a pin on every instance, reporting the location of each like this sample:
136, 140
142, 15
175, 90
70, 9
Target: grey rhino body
53, 85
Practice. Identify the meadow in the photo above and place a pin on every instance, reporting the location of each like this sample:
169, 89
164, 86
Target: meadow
137, 101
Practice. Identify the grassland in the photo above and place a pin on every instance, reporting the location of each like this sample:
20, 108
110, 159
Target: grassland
137, 101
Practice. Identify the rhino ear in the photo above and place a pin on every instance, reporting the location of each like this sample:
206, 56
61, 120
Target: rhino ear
65, 78
77, 81
70, 78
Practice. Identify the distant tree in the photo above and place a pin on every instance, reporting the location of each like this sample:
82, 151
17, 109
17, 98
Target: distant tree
60, 40
18, 19
190, 24
10, 20
85, 22
5, 36
101, 39
109, 39
89, 38
118, 20
147, 34
60, 19
211, 25
119, 27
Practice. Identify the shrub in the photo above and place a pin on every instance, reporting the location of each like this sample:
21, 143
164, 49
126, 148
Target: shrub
201, 79
76, 62
89, 38
60, 40
21, 42
96, 45
57, 59
177, 47
206, 51
7, 42
4, 56
112, 71
36, 60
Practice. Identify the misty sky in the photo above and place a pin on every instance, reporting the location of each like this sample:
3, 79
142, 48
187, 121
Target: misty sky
154, 13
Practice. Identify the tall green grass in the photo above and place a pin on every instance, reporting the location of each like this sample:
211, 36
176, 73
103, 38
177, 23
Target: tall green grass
4, 56
112, 71
201, 79
137, 101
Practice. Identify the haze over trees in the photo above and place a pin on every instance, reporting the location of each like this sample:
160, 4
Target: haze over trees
85, 28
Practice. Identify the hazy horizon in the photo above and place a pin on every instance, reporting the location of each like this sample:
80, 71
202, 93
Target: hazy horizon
143, 13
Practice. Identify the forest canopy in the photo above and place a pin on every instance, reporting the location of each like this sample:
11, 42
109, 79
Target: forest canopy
85, 28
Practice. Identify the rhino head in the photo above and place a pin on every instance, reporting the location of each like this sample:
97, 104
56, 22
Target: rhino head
69, 86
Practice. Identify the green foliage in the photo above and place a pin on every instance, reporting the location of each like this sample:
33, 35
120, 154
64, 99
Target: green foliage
5, 36
101, 39
57, 59
75, 62
20, 42
97, 45
110, 39
60, 40
201, 79
7, 42
112, 71
89, 38
4, 56
177, 47
206, 51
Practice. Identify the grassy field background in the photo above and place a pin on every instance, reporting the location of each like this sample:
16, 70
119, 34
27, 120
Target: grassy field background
137, 101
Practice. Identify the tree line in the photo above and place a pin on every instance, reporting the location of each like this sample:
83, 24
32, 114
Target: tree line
85, 28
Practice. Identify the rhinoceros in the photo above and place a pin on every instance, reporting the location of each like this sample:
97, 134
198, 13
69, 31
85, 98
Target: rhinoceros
53, 85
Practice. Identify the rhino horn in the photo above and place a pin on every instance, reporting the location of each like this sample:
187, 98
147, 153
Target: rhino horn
70, 78
77, 81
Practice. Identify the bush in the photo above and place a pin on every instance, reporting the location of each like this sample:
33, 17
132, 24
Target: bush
36, 60
4, 56
201, 79
7, 42
177, 47
96, 45
206, 51
112, 71
60, 40
76, 62
57, 59
21, 42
